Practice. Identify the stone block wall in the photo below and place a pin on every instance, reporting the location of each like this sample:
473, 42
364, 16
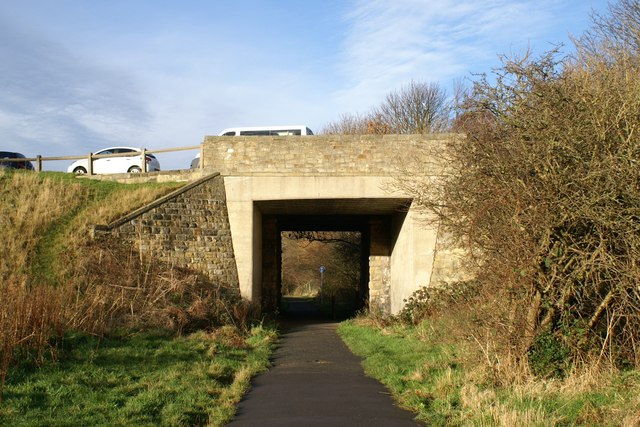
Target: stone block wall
319, 155
379, 281
188, 228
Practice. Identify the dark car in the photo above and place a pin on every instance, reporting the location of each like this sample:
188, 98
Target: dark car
14, 165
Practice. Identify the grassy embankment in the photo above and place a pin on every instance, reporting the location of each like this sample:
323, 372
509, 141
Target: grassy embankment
93, 333
150, 378
441, 383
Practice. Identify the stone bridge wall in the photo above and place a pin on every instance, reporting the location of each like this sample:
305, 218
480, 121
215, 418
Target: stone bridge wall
187, 228
320, 155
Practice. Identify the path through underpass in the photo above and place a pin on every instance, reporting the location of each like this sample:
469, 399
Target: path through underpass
316, 381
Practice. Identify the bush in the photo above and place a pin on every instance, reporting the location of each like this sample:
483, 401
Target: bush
549, 356
543, 193
428, 302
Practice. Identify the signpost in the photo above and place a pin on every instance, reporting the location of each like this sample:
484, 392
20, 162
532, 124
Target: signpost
322, 270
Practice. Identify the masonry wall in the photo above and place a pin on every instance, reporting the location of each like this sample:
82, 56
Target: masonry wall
320, 155
189, 228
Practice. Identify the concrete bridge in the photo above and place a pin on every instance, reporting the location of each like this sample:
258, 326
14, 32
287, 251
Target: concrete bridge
228, 223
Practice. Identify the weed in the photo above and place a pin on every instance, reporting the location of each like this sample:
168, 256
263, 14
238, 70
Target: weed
549, 357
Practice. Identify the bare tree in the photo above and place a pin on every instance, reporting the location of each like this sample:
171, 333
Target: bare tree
544, 192
348, 124
417, 107
613, 34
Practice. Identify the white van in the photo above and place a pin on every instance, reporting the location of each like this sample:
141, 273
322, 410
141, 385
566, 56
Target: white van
259, 131
267, 131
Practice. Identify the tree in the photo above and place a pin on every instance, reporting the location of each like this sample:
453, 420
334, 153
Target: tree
613, 34
349, 124
544, 194
417, 107
304, 251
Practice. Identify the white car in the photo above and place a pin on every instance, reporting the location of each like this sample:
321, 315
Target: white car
124, 164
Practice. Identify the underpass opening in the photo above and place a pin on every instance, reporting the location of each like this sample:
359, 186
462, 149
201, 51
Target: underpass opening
323, 274
321, 265
371, 225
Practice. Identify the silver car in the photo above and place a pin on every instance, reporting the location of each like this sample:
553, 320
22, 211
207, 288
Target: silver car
123, 164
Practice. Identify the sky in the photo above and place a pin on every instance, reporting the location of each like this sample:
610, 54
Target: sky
78, 75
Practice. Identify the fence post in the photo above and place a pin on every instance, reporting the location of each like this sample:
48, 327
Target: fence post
38, 163
90, 164
144, 160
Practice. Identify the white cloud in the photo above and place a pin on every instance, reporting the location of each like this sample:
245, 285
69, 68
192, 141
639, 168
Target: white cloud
390, 43
54, 100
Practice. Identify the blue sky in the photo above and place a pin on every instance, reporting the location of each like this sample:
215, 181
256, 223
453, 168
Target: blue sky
80, 75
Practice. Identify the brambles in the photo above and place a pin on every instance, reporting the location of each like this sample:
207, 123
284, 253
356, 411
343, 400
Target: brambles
544, 194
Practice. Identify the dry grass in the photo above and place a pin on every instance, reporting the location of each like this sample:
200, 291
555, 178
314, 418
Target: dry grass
29, 313
112, 207
484, 407
29, 206
591, 394
499, 387
53, 278
28, 318
449, 381
111, 285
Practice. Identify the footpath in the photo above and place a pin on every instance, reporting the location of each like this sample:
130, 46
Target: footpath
316, 381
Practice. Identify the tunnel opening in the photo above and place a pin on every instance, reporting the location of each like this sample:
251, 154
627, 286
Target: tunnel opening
322, 271
319, 265
377, 223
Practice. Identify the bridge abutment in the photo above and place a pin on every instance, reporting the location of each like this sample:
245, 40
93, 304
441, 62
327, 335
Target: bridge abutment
228, 225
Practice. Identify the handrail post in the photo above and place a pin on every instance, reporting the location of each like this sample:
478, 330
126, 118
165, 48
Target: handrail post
90, 164
144, 160
38, 163
201, 163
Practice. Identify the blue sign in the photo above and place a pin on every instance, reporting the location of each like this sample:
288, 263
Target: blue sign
322, 269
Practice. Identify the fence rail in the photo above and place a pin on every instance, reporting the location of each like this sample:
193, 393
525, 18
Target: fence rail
38, 160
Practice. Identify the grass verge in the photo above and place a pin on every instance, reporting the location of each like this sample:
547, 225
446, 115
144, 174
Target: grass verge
422, 377
147, 378
432, 380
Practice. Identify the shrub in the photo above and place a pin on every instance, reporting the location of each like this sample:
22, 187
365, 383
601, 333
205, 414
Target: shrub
543, 193
428, 302
549, 356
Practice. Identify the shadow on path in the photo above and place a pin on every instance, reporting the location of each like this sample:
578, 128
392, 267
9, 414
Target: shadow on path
316, 381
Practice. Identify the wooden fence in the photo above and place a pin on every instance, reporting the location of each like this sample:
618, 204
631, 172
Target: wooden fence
38, 160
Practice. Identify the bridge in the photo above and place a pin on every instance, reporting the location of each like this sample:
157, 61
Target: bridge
227, 224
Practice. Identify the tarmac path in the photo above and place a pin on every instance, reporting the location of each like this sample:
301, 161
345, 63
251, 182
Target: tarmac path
316, 381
